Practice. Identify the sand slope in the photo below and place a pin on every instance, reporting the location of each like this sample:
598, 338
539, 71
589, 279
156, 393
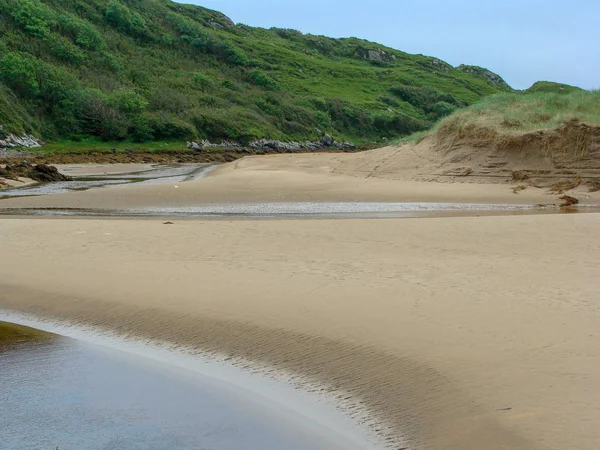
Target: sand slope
464, 333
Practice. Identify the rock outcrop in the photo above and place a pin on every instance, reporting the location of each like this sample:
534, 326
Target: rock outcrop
25, 141
486, 74
39, 172
327, 142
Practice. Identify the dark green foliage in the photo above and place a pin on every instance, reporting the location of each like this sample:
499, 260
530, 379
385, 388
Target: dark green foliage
81, 32
62, 49
123, 19
259, 78
153, 69
33, 16
18, 72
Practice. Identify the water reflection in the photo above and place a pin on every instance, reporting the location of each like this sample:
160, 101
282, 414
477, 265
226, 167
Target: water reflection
176, 173
61, 392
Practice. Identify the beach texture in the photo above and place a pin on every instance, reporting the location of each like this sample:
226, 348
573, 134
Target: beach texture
452, 333
460, 333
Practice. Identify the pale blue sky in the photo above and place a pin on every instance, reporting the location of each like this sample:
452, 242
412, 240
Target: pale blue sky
523, 41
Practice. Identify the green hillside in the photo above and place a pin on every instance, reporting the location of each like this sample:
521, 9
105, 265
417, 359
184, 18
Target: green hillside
551, 87
146, 70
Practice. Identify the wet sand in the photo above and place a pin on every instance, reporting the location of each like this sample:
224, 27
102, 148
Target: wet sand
294, 178
457, 333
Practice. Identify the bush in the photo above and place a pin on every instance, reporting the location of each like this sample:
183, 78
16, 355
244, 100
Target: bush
65, 51
202, 81
141, 129
166, 126
19, 73
443, 109
128, 101
125, 20
33, 16
261, 79
83, 33
169, 100
428, 100
399, 125
207, 42
99, 118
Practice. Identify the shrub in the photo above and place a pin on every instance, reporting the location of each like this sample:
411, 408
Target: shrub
128, 101
207, 42
443, 109
125, 20
65, 51
170, 100
141, 129
398, 124
83, 33
33, 16
261, 79
99, 117
19, 73
167, 126
421, 95
202, 81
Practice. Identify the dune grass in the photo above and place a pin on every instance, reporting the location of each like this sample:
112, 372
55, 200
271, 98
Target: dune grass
528, 112
509, 115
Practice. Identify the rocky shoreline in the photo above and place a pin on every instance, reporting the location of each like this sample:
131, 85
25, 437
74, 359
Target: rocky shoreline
265, 145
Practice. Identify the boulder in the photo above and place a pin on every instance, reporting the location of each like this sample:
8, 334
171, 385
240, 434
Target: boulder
40, 172
372, 55
194, 146
327, 140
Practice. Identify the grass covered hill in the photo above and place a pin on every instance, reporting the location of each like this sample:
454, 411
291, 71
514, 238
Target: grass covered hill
146, 70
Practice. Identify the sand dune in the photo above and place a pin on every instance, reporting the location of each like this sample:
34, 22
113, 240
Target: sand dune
462, 333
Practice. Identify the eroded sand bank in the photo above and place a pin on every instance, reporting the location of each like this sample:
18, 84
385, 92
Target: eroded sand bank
462, 333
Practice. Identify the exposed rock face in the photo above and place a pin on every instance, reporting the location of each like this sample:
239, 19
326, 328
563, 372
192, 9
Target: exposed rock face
374, 56
489, 76
327, 142
441, 65
379, 56
25, 141
39, 172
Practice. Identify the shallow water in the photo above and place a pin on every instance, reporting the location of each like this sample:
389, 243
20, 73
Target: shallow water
76, 395
162, 174
178, 173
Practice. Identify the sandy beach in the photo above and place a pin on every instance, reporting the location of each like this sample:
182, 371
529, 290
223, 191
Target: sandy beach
385, 175
457, 333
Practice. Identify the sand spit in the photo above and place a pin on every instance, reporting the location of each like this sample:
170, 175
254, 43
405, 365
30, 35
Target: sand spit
462, 333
